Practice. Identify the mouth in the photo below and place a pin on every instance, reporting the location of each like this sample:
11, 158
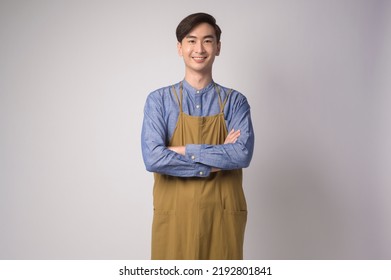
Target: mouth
199, 58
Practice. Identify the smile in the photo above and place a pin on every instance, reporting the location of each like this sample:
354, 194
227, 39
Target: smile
199, 58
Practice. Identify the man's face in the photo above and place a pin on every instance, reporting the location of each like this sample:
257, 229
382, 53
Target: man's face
199, 48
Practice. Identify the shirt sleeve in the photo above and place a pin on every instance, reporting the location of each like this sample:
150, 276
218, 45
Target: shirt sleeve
228, 156
157, 157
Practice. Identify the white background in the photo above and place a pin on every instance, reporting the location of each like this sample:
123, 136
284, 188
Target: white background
74, 76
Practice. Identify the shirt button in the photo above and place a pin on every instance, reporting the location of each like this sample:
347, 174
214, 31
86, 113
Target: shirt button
198, 106
198, 91
193, 157
201, 172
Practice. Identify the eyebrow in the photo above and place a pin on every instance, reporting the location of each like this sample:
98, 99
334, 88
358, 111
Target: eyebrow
205, 37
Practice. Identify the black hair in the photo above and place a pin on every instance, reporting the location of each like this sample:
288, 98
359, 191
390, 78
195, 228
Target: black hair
191, 21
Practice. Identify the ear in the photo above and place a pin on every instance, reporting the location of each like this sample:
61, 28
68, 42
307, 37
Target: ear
179, 48
218, 48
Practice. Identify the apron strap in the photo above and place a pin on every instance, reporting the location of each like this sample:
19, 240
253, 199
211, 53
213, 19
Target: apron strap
222, 103
181, 96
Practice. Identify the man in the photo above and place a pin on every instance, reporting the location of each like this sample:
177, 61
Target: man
200, 209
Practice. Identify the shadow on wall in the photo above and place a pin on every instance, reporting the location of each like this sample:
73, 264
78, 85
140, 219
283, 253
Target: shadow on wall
298, 217
301, 205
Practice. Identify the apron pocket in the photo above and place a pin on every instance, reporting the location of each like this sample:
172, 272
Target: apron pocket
162, 233
161, 219
234, 226
235, 221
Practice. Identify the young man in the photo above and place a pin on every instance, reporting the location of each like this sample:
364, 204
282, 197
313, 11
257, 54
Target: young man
200, 209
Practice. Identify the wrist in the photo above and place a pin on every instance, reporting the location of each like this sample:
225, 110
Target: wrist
178, 149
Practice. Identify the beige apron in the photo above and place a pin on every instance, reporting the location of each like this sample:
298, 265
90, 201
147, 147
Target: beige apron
194, 217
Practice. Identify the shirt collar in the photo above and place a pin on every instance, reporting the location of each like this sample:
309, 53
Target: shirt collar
190, 89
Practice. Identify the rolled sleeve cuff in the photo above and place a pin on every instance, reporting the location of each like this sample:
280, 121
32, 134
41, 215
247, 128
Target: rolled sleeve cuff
202, 170
193, 152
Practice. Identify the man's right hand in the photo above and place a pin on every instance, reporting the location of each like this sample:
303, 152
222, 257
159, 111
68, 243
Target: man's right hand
232, 136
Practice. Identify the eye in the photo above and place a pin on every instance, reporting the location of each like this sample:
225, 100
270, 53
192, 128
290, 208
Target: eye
191, 41
208, 41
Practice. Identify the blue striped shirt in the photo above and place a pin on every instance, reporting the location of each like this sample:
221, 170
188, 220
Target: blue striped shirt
160, 117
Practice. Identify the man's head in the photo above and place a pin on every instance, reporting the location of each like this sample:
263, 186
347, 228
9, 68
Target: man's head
191, 21
198, 42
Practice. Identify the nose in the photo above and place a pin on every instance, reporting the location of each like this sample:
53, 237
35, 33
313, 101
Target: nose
199, 47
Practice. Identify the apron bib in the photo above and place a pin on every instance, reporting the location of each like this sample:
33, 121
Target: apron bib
199, 218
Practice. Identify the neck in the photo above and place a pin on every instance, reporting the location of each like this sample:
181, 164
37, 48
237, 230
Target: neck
198, 80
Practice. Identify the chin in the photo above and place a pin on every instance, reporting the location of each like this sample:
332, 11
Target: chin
201, 67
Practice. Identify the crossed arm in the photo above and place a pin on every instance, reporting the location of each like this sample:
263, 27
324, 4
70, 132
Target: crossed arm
232, 137
195, 159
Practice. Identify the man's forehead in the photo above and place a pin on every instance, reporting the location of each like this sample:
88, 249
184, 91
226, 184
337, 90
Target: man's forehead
202, 30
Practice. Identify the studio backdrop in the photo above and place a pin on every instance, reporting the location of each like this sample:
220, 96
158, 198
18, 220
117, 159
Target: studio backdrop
74, 76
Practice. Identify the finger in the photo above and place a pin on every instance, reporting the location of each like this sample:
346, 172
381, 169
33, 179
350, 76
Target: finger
229, 139
233, 132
